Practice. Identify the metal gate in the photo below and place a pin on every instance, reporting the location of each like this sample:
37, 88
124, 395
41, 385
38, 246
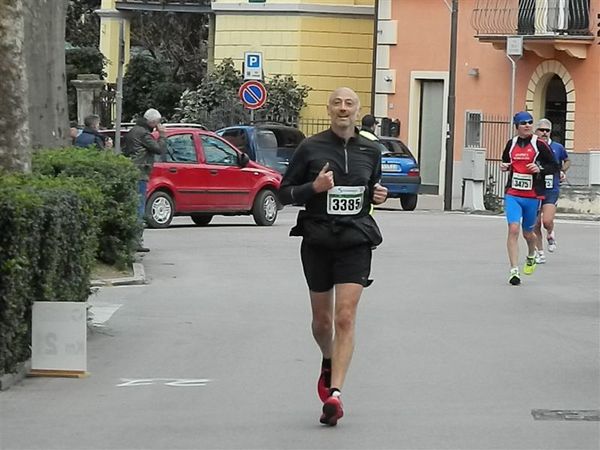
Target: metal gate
104, 105
490, 132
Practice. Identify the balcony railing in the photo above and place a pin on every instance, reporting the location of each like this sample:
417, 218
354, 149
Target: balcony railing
532, 17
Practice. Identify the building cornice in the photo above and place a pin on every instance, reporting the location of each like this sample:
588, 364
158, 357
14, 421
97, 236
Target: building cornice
292, 9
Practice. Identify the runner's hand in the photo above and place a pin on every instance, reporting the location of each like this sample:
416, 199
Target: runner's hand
504, 166
533, 168
379, 193
563, 176
324, 180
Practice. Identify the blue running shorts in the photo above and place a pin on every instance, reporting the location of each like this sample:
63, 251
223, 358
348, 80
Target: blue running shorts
517, 208
551, 198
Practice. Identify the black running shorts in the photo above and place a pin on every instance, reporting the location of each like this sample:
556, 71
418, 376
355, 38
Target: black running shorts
323, 268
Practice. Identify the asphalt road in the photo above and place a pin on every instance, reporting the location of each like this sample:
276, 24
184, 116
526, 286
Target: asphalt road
216, 352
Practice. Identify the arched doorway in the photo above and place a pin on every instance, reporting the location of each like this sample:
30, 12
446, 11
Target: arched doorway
555, 107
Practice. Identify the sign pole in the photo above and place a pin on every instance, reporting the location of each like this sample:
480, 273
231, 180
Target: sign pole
119, 106
514, 51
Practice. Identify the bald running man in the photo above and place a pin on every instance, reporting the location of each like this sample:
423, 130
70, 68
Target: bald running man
335, 175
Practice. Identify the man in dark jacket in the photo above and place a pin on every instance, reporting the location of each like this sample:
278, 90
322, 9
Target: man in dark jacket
90, 135
141, 147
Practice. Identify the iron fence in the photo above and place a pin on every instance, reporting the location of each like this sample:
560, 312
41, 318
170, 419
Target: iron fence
312, 126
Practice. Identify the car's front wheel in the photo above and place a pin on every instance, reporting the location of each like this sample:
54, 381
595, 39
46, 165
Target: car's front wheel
265, 208
202, 219
160, 209
408, 201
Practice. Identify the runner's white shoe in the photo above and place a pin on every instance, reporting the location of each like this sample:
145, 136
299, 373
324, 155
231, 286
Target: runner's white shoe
540, 258
514, 278
551, 244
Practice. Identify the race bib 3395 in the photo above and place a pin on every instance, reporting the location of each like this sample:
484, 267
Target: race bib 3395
345, 200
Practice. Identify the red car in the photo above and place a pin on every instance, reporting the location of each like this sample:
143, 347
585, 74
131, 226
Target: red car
202, 175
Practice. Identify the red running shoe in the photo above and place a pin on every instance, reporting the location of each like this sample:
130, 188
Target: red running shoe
323, 384
332, 411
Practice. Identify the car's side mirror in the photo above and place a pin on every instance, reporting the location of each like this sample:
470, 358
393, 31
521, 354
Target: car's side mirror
243, 159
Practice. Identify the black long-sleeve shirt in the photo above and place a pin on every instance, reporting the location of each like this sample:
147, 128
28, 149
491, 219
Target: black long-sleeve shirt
356, 162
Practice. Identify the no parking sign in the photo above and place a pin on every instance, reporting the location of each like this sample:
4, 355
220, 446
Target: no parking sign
253, 94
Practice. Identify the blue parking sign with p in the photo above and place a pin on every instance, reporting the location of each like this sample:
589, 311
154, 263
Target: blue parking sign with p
253, 69
253, 60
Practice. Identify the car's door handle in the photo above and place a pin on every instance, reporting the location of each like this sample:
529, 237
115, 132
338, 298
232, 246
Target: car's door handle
173, 170
214, 171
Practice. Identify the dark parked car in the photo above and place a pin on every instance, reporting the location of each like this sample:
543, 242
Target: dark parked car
400, 172
202, 175
269, 144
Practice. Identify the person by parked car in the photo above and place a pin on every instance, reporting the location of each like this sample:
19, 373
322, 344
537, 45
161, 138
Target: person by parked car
369, 122
90, 135
140, 146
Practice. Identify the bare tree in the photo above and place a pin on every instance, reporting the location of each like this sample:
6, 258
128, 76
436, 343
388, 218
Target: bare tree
14, 126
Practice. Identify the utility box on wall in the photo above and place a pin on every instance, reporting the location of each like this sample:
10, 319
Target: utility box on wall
473, 164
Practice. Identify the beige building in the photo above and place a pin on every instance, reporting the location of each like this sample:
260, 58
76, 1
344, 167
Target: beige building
323, 44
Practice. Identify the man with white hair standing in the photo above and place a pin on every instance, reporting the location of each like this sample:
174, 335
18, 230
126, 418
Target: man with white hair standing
552, 183
141, 147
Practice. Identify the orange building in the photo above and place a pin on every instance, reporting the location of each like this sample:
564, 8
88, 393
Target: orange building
557, 76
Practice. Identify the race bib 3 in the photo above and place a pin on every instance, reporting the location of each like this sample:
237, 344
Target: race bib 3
345, 200
549, 180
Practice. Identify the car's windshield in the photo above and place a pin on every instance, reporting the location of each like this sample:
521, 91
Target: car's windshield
276, 158
275, 147
266, 139
395, 148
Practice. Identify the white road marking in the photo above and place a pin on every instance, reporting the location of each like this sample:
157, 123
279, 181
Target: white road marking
101, 312
174, 382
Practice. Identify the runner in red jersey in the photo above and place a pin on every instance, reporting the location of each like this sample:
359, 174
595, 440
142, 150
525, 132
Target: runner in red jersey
528, 160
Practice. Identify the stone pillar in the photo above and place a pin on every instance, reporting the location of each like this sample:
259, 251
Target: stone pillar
87, 86
110, 21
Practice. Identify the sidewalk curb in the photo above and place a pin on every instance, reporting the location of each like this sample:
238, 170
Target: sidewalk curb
10, 379
559, 215
564, 216
138, 278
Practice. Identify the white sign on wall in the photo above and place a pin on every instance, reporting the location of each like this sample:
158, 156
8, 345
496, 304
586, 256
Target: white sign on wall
59, 336
514, 45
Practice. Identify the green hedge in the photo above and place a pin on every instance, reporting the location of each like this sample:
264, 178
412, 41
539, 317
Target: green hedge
48, 241
116, 177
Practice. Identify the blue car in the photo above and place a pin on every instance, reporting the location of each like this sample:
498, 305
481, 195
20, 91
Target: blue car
270, 144
400, 172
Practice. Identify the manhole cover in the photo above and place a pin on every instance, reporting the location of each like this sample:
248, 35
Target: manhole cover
566, 414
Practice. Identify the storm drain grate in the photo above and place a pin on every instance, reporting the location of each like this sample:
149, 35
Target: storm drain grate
566, 414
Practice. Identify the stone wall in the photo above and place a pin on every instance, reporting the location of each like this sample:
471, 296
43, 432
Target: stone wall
579, 200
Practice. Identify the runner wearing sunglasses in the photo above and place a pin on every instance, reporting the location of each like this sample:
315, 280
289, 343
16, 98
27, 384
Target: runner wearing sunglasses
528, 160
552, 185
